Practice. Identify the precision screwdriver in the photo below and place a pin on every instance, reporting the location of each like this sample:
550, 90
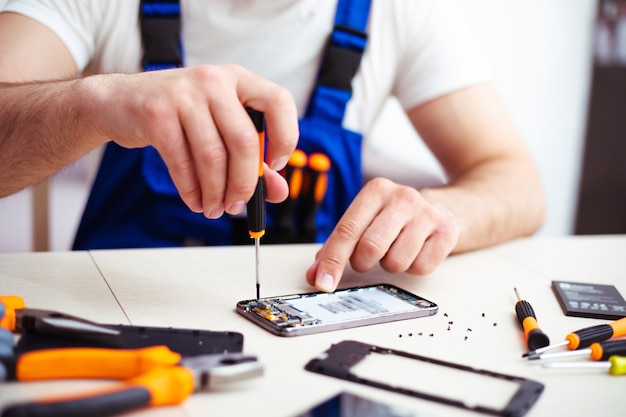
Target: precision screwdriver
314, 190
535, 337
615, 364
256, 205
284, 225
585, 337
599, 351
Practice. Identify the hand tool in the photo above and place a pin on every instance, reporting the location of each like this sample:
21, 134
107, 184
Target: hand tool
615, 364
535, 337
256, 205
19, 319
284, 212
314, 190
151, 376
599, 351
585, 337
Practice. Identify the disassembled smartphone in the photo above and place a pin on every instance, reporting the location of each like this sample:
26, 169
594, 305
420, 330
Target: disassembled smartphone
427, 378
315, 312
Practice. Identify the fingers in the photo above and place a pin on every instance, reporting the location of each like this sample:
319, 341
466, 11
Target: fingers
207, 139
387, 224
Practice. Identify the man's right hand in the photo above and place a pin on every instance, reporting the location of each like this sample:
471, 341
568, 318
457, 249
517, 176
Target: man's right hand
195, 117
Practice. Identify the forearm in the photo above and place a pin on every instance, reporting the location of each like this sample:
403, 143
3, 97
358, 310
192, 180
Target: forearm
495, 202
43, 127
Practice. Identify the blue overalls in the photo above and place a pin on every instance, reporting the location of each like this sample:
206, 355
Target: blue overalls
133, 202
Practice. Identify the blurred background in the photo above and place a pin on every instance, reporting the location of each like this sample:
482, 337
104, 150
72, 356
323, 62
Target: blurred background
559, 66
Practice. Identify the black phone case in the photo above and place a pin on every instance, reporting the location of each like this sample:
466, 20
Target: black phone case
338, 360
187, 342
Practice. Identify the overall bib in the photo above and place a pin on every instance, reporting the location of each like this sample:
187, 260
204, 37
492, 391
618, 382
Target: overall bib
133, 201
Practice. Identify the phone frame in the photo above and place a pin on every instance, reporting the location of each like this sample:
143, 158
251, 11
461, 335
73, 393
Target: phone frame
311, 326
339, 359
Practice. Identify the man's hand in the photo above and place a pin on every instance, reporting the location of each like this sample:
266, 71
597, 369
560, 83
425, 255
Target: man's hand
195, 118
387, 223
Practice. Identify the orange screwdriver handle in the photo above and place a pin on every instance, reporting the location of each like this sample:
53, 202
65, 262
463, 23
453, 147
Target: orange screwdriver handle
535, 337
97, 363
585, 337
160, 386
314, 191
10, 304
256, 204
619, 327
604, 350
284, 212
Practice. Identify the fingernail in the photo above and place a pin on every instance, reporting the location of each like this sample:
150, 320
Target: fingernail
325, 282
216, 212
279, 163
237, 207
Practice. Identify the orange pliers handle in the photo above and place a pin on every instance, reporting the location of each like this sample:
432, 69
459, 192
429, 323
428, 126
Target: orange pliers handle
10, 303
151, 377
92, 363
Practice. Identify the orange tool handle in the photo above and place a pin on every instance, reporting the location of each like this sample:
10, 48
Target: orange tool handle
10, 304
256, 205
314, 191
604, 350
319, 165
535, 337
160, 386
97, 363
293, 172
585, 337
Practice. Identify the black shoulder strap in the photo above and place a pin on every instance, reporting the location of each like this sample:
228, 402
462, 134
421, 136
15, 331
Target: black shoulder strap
346, 45
160, 33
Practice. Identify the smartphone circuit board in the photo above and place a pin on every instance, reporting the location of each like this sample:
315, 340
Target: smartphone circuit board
344, 308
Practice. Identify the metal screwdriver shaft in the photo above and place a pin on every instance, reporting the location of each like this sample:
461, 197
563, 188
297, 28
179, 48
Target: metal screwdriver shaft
535, 337
256, 205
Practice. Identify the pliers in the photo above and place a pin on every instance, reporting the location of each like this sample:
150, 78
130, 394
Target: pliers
15, 317
152, 376
149, 376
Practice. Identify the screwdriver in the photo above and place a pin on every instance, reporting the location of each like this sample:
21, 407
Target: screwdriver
284, 231
615, 364
585, 337
256, 206
535, 337
314, 190
599, 351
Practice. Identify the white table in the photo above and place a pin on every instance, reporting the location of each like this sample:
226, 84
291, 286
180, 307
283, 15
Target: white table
199, 287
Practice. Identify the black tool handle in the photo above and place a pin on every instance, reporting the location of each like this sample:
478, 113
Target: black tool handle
256, 205
314, 191
256, 210
585, 337
607, 349
109, 404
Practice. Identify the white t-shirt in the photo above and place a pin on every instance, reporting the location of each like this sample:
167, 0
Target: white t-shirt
417, 49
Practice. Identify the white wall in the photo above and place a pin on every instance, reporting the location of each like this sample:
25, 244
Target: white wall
540, 53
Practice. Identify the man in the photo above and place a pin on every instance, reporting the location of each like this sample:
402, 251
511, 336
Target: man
265, 55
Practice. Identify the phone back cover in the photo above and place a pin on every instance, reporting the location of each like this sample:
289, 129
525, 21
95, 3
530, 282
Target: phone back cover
187, 342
